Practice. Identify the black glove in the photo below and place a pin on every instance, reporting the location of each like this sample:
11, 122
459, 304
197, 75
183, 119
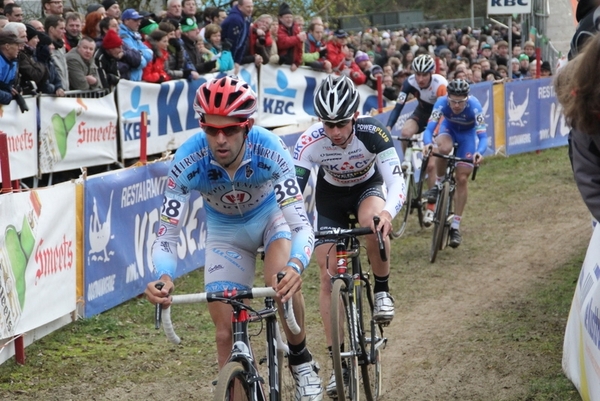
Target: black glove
187, 73
161, 79
323, 52
175, 43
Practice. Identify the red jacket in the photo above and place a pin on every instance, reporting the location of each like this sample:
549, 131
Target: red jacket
155, 70
289, 46
254, 39
335, 56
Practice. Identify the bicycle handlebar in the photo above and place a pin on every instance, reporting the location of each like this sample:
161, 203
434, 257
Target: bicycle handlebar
227, 296
337, 232
410, 141
459, 159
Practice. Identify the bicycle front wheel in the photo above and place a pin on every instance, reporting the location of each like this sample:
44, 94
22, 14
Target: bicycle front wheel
343, 331
232, 384
411, 190
441, 215
371, 371
286, 382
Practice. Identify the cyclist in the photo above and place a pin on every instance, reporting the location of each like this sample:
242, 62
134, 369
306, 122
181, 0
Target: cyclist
247, 179
355, 156
427, 87
462, 124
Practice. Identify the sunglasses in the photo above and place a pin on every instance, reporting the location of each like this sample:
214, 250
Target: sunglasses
228, 130
337, 124
457, 102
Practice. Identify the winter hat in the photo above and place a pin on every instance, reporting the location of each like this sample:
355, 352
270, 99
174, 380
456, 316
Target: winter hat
376, 69
111, 40
147, 26
108, 4
188, 24
515, 60
361, 56
93, 7
523, 57
284, 9
545, 66
486, 46
340, 33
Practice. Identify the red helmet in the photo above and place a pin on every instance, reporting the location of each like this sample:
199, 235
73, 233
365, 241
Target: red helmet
227, 96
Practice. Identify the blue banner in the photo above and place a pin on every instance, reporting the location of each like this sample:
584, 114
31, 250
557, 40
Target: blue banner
483, 91
533, 117
121, 218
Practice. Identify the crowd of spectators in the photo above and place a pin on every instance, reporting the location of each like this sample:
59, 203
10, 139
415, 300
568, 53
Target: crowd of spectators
64, 50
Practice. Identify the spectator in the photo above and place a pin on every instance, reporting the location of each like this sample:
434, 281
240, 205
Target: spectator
491, 75
190, 34
55, 27
477, 76
91, 27
188, 8
52, 7
13, 12
260, 40
236, 29
131, 59
503, 72
147, 26
545, 69
174, 10
515, 68
73, 28
112, 9
9, 48
38, 25
83, 72
532, 69
274, 59
53, 84
107, 59
315, 51
95, 7
218, 50
337, 48
524, 65
33, 74
155, 71
3, 21
351, 69
290, 39
486, 51
176, 66
529, 50
363, 62
128, 31
502, 56
517, 51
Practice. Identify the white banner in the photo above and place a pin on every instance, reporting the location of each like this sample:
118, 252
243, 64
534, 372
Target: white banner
76, 132
170, 111
286, 97
581, 349
37, 258
507, 7
21, 131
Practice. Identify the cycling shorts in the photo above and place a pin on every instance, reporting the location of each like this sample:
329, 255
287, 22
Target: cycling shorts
421, 117
466, 140
231, 249
334, 204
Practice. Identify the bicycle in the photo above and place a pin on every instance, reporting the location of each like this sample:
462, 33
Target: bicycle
363, 337
414, 176
239, 379
444, 209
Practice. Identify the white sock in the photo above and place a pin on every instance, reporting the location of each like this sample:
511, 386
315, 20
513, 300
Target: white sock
438, 180
456, 222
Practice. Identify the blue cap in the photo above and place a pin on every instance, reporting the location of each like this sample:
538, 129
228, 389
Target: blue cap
130, 13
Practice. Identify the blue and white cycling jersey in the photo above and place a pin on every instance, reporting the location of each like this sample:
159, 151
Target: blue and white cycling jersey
464, 127
264, 182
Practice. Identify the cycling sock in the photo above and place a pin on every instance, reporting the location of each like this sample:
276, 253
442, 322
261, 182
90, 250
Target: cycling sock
299, 353
456, 222
381, 284
438, 179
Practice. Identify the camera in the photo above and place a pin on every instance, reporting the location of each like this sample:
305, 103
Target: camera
262, 40
20, 100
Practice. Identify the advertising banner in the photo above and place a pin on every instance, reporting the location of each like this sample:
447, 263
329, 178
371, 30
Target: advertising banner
553, 129
37, 258
483, 91
77, 132
286, 97
508, 7
121, 218
581, 350
169, 106
21, 131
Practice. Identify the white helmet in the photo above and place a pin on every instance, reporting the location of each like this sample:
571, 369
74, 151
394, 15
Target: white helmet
423, 63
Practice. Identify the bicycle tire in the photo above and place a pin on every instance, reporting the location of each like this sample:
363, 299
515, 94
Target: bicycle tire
439, 221
410, 192
449, 218
286, 382
341, 327
371, 372
421, 206
232, 384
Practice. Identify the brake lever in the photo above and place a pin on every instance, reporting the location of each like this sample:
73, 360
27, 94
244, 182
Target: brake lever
382, 253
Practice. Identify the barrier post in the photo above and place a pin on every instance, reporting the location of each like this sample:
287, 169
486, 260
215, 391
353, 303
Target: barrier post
379, 94
144, 138
19, 350
5, 164
538, 64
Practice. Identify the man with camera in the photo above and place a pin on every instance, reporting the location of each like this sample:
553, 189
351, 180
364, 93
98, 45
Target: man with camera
10, 45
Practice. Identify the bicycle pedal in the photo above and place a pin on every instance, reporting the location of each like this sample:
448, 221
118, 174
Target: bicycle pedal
214, 382
262, 360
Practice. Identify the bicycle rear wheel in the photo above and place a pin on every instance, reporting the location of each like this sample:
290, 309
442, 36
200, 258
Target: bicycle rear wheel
232, 384
439, 220
371, 372
343, 332
286, 382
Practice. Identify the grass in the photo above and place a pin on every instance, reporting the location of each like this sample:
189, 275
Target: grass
121, 348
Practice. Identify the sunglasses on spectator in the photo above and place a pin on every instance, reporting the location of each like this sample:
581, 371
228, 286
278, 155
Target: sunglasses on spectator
227, 130
337, 124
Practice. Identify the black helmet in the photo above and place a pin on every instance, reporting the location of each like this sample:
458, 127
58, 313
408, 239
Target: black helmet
458, 87
336, 99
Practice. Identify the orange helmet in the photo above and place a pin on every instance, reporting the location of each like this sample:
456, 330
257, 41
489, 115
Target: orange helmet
227, 96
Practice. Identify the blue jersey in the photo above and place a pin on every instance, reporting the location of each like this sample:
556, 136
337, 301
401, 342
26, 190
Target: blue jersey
468, 124
264, 181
